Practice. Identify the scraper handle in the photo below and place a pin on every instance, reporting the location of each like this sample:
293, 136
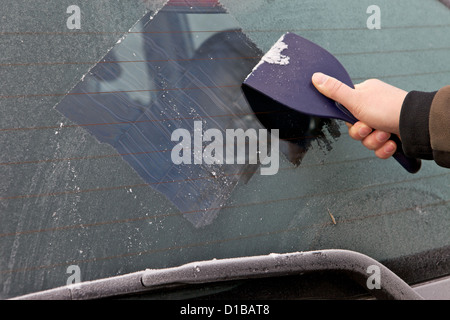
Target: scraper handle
412, 165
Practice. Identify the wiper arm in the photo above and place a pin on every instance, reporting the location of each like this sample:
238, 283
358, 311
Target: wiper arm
220, 270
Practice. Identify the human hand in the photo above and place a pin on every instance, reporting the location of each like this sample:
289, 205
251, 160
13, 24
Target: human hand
377, 106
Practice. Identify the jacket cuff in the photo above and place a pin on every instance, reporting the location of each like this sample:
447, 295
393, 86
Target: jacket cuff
414, 125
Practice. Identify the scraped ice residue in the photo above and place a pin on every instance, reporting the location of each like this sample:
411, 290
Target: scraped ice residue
274, 55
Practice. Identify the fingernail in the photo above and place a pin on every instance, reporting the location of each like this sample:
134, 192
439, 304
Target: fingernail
389, 148
364, 131
319, 78
382, 136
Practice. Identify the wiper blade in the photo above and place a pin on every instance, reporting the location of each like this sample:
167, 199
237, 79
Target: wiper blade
221, 270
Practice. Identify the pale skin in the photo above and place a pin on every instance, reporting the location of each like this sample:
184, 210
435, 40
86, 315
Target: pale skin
376, 104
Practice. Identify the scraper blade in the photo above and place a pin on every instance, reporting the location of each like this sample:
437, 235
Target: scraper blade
283, 77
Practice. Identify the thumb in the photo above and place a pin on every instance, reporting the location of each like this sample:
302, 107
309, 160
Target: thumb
335, 90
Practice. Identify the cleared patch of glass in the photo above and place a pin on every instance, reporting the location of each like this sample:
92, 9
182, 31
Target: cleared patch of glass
182, 66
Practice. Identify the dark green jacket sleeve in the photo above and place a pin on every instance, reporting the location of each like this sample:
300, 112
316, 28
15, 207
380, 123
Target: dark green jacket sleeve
425, 125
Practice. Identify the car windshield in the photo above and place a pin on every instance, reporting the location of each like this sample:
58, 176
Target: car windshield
97, 99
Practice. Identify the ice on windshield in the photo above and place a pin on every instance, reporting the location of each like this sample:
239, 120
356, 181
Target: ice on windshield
90, 186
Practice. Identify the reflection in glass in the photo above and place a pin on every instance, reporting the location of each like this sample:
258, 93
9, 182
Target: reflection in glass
183, 65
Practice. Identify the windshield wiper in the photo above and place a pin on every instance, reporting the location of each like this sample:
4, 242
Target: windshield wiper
223, 270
